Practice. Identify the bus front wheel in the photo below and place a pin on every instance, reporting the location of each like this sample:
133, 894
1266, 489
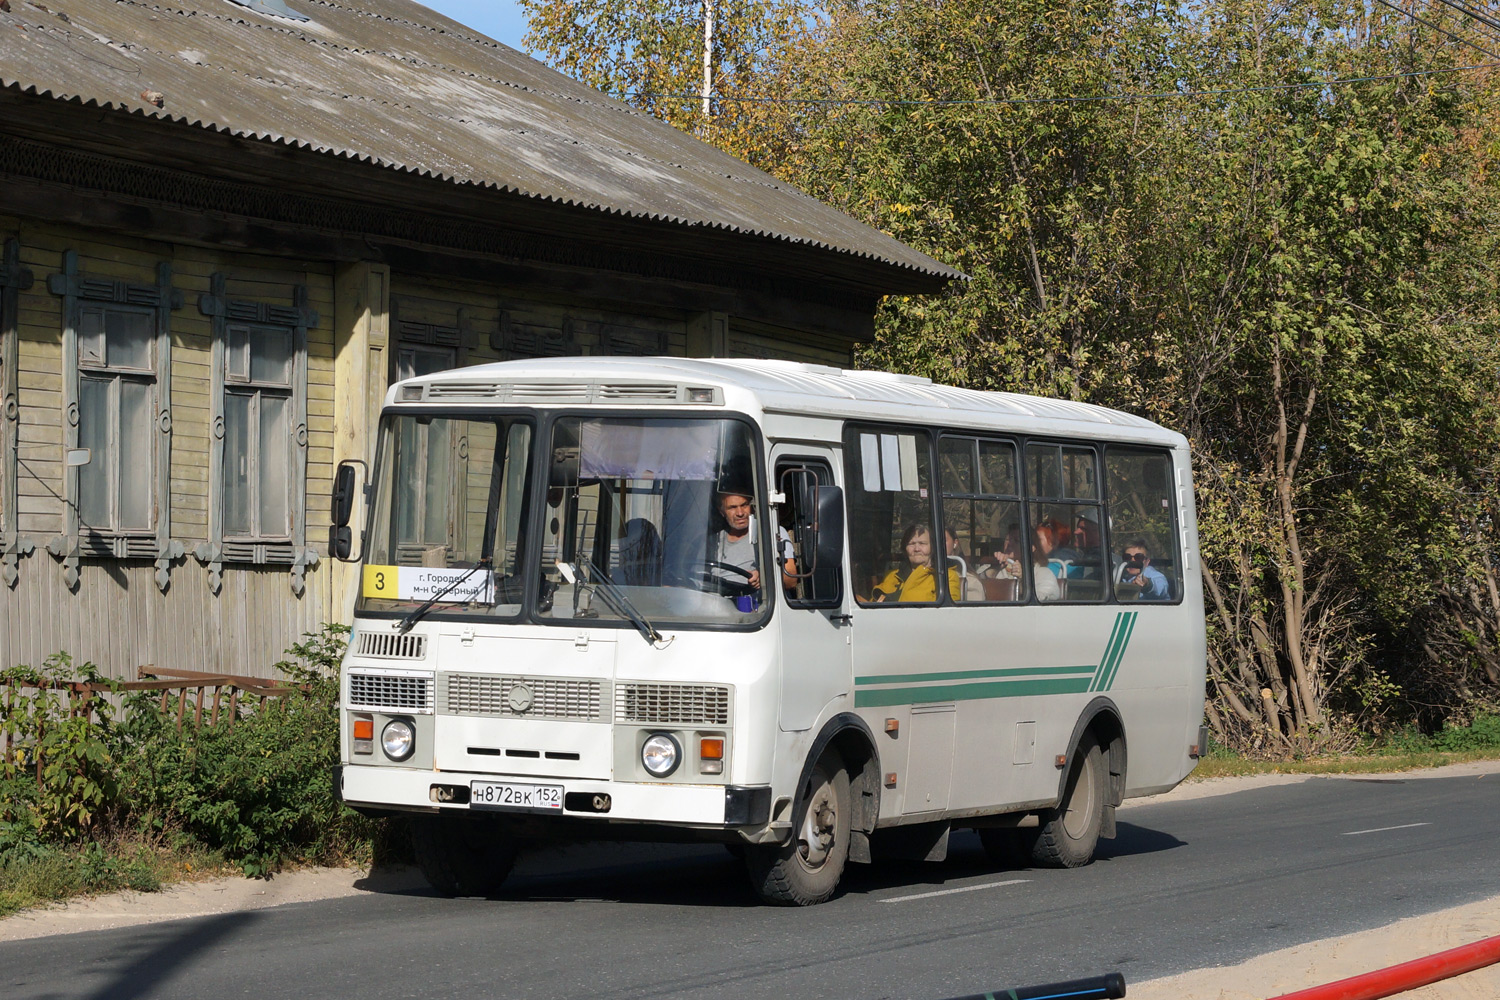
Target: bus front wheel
462, 855
1066, 836
806, 870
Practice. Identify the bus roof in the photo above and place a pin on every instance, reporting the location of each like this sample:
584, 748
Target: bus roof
772, 386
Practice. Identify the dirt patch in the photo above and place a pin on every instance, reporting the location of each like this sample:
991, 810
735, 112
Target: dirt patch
1206, 787
200, 899
1327, 961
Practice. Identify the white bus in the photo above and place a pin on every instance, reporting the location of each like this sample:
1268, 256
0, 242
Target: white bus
818, 615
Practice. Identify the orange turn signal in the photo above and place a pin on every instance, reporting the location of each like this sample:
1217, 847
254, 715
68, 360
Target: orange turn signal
711, 749
364, 729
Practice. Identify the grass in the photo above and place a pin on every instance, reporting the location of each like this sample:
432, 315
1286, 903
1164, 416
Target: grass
1406, 749
52, 874
1226, 765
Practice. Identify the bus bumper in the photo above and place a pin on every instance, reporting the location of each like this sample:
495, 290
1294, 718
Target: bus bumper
389, 788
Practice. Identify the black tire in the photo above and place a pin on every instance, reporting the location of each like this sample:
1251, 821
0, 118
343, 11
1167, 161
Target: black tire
463, 855
1067, 835
807, 869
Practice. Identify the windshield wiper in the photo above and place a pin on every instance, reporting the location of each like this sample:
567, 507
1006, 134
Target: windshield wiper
617, 601
416, 613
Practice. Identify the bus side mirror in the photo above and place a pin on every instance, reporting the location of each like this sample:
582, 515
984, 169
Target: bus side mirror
347, 483
827, 541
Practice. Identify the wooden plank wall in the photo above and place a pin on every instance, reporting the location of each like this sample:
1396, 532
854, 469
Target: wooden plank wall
118, 618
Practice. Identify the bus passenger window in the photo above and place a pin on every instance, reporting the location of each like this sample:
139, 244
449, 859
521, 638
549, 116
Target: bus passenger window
1142, 525
1066, 521
892, 550
982, 519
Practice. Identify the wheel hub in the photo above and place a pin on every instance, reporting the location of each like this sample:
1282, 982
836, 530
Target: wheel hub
818, 827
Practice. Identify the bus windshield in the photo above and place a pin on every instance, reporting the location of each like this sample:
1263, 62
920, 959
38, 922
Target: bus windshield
659, 511
450, 514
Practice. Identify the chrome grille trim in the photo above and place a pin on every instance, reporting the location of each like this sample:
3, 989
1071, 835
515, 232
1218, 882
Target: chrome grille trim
554, 392
575, 698
391, 646
465, 390
661, 393
672, 704
389, 691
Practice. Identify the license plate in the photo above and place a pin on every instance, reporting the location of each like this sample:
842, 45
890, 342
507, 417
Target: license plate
508, 795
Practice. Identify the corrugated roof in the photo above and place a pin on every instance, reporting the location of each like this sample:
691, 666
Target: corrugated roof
797, 387
392, 83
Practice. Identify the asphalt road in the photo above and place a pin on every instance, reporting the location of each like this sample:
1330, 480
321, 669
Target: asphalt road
1186, 884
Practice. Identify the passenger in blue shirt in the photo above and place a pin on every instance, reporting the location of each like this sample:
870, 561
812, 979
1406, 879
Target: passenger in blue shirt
1137, 572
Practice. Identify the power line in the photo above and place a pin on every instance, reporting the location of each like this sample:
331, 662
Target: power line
1159, 95
1482, 16
1456, 38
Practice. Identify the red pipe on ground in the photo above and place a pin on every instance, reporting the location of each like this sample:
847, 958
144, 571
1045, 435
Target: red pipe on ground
1407, 975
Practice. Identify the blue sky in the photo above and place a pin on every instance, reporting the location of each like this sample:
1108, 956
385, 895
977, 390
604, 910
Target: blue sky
502, 20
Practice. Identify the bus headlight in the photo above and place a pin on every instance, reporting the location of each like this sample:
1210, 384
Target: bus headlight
398, 739
660, 755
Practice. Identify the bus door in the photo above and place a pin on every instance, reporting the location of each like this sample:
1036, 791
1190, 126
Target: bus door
815, 634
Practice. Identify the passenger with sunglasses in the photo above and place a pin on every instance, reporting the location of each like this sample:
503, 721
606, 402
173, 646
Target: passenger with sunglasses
1136, 571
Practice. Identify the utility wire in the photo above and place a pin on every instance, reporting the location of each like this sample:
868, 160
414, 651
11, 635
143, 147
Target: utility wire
1482, 16
1159, 95
1456, 38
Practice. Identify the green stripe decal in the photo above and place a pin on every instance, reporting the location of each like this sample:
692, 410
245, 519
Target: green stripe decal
1109, 651
1115, 667
1008, 682
963, 675
969, 692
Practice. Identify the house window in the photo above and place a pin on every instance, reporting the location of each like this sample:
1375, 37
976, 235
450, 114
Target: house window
117, 400
258, 452
117, 390
424, 518
258, 445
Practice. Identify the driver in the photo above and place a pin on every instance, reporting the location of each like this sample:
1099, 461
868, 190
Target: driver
735, 545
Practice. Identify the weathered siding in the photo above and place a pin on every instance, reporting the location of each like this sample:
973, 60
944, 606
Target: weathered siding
118, 617
119, 620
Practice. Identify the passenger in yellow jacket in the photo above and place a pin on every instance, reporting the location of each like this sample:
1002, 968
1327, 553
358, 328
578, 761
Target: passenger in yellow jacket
918, 582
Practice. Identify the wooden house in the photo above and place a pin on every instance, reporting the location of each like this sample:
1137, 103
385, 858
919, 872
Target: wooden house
228, 225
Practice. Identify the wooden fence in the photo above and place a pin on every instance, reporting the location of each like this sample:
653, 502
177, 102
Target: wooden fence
184, 687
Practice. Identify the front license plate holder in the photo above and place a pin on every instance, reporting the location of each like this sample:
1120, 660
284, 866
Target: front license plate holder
515, 796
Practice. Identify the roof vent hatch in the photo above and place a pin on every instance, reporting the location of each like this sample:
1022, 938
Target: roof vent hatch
275, 8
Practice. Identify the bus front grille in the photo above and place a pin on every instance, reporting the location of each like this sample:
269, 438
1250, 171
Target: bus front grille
672, 704
378, 692
525, 697
391, 646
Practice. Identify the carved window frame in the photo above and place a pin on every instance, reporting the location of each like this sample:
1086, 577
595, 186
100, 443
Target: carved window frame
14, 279
79, 291
291, 550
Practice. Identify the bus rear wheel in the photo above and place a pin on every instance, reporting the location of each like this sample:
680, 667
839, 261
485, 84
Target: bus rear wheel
806, 870
1067, 835
463, 855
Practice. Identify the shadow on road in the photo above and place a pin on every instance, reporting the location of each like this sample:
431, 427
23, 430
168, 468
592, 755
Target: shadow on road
156, 955
707, 875
1131, 840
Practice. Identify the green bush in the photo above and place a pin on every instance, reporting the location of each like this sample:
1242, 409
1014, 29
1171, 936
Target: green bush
1482, 734
257, 791
260, 790
60, 775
